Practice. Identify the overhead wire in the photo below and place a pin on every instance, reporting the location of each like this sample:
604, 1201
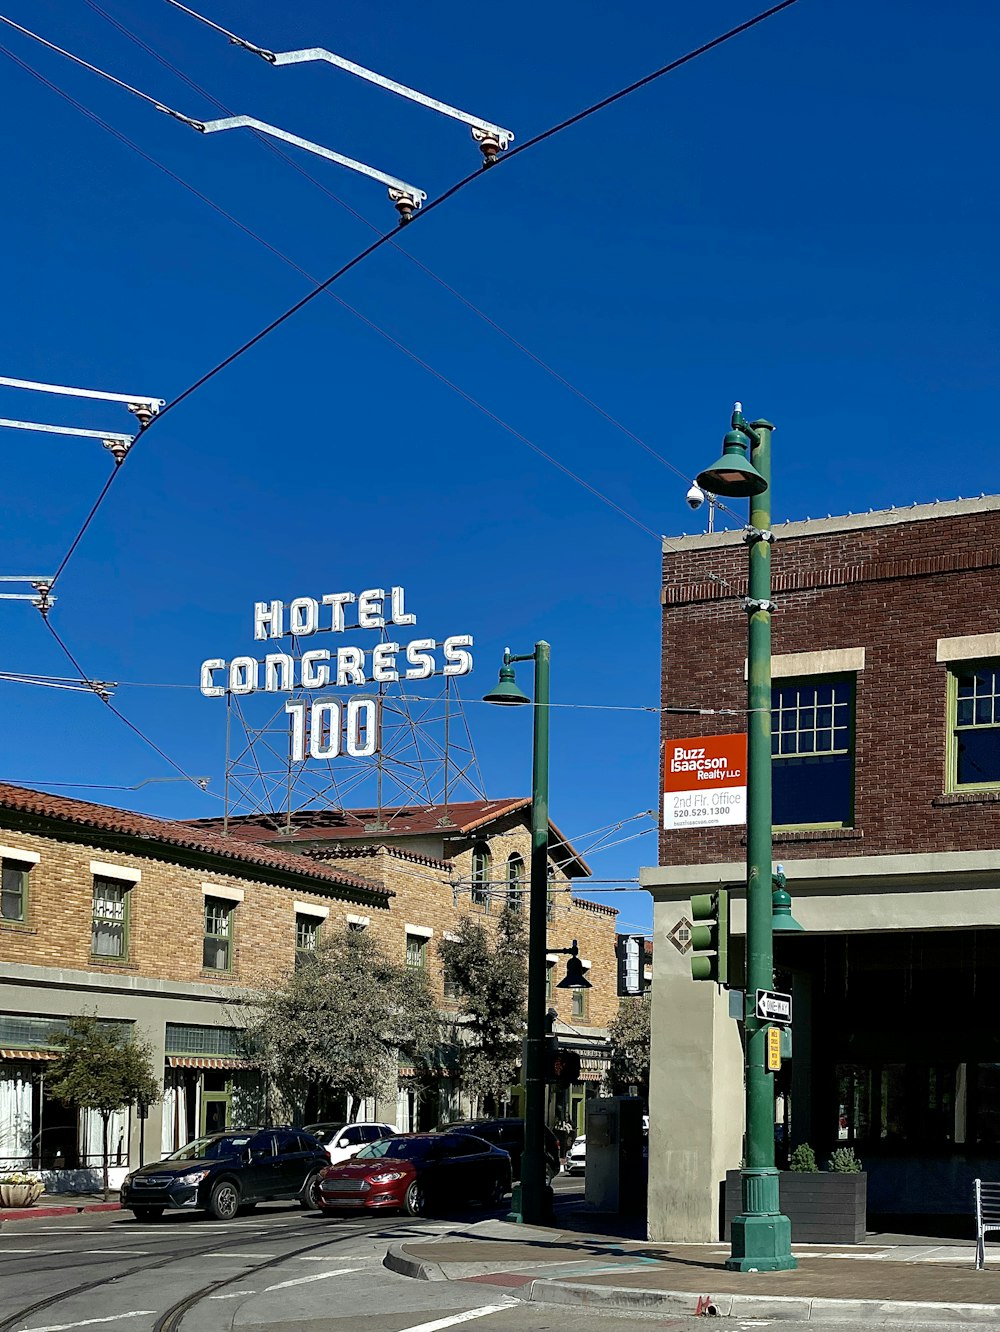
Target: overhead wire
386, 237
365, 319
345, 268
470, 305
199, 782
26, 677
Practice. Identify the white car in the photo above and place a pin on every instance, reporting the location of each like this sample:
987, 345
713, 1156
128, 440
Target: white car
342, 1141
576, 1157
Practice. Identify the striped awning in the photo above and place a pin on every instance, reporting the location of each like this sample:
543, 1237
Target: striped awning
29, 1054
204, 1061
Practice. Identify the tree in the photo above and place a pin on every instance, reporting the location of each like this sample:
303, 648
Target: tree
628, 1035
102, 1066
490, 972
339, 1022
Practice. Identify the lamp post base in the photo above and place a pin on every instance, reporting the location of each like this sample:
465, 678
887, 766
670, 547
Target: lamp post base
546, 1208
761, 1237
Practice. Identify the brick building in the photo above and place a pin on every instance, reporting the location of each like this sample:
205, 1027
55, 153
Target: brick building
886, 778
161, 924
445, 861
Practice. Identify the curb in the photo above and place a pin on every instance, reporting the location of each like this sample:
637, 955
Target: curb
803, 1309
45, 1213
396, 1260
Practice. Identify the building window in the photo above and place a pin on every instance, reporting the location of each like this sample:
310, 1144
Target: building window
515, 881
306, 936
481, 860
452, 989
109, 935
356, 926
812, 751
217, 954
416, 951
974, 725
14, 894
581, 1005
550, 968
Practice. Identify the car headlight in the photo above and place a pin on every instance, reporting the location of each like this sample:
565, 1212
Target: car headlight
128, 1180
194, 1177
386, 1177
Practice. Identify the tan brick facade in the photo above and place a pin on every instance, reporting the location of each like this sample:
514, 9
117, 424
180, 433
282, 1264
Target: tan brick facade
165, 915
165, 873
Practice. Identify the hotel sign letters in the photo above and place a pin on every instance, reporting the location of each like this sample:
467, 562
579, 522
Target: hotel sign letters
325, 728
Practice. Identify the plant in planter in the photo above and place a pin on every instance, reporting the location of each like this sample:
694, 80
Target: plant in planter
843, 1162
803, 1160
824, 1206
19, 1189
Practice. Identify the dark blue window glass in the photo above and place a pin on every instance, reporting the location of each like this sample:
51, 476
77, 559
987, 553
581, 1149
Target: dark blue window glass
812, 752
977, 726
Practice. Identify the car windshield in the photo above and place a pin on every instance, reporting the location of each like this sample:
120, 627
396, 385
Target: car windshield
213, 1148
400, 1149
324, 1132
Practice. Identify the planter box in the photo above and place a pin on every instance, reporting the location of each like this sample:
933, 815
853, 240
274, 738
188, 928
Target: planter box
20, 1195
824, 1208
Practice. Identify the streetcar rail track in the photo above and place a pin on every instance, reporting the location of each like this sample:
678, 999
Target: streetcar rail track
15, 1321
170, 1320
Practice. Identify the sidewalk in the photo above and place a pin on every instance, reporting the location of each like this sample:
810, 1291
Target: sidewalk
890, 1279
61, 1204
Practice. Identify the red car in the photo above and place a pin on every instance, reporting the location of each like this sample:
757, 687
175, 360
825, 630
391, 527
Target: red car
415, 1173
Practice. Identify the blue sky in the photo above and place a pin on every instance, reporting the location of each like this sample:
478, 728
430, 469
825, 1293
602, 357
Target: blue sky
804, 219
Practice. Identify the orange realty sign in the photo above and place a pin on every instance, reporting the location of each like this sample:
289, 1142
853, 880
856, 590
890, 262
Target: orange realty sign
705, 781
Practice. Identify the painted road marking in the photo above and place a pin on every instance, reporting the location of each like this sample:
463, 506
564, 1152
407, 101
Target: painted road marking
318, 1258
232, 1295
302, 1281
89, 1322
128, 1253
234, 1255
440, 1323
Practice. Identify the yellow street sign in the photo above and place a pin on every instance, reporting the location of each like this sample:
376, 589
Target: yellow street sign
773, 1049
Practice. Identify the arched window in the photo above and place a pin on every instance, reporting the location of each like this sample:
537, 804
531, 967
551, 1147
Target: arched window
481, 860
515, 881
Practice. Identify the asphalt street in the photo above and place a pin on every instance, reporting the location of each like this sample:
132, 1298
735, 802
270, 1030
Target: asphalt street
279, 1268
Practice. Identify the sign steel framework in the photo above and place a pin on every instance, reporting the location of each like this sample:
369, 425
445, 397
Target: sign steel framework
425, 754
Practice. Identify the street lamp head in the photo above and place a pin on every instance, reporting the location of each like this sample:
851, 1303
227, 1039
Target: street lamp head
575, 978
734, 475
506, 691
782, 920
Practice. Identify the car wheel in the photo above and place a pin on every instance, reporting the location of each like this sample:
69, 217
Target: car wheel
415, 1201
309, 1198
147, 1213
225, 1200
497, 1193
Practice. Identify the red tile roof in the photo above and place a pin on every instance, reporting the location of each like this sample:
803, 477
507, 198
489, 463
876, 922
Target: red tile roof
341, 825
183, 836
460, 817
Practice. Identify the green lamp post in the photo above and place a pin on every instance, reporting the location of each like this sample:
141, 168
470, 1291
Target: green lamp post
532, 1201
761, 1236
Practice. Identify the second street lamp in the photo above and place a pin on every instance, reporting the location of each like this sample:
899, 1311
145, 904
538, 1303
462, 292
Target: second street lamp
533, 1203
761, 1236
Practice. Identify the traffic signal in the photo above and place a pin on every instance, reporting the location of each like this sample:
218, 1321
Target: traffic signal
710, 937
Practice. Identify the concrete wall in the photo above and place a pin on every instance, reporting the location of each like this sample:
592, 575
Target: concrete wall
696, 1089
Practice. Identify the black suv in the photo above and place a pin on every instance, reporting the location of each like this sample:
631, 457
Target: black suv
228, 1171
509, 1134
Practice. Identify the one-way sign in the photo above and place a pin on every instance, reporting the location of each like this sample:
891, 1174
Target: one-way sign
773, 1006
